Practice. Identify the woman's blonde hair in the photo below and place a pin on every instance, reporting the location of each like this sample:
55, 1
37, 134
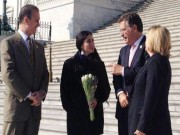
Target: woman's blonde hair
158, 40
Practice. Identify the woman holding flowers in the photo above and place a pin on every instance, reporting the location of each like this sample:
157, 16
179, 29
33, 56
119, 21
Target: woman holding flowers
84, 113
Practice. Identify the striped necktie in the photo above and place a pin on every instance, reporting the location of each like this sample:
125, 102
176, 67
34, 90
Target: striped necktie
31, 50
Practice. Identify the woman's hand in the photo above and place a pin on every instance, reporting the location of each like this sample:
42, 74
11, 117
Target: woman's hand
93, 103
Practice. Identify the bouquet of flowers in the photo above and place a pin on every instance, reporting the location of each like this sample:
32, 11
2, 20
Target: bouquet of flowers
89, 83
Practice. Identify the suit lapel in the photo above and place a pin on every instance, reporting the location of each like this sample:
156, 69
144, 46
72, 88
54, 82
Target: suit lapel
36, 55
23, 49
126, 58
141, 70
138, 51
144, 67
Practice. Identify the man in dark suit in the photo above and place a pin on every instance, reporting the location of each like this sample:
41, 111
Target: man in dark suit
25, 74
132, 57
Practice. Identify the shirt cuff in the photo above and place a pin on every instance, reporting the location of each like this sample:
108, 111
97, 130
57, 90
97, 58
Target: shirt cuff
119, 93
28, 96
43, 94
123, 71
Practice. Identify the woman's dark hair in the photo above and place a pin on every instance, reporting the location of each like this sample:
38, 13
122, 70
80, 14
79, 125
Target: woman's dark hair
132, 19
81, 36
27, 10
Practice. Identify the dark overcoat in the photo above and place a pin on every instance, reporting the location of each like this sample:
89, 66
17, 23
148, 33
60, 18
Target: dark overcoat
73, 97
148, 110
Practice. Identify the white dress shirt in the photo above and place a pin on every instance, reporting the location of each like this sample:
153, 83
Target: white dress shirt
24, 36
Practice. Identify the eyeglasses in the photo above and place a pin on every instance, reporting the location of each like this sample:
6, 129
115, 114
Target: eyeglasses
124, 29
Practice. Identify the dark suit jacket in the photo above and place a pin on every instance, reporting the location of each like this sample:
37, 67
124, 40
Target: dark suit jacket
148, 110
125, 83
21, 78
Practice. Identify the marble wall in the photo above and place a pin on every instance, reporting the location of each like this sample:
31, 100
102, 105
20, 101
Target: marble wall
68, 17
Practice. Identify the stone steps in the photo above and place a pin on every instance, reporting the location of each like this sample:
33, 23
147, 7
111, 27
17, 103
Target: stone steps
54, 115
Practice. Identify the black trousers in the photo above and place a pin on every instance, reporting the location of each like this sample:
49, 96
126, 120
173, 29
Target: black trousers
123, 123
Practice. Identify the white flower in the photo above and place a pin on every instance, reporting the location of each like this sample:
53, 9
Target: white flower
86, 77
90, 76
89, 89
82, 78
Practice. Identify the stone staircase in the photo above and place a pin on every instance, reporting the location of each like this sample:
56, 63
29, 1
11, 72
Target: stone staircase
108, 43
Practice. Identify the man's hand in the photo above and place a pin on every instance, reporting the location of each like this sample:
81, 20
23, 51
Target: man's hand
137, 132
36, 101
116, 69
123, 100
36, 97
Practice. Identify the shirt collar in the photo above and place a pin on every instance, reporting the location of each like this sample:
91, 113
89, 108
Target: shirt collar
138, 41
23, 35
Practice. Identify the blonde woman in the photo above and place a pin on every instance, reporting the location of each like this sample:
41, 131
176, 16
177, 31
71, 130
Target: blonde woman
148, 112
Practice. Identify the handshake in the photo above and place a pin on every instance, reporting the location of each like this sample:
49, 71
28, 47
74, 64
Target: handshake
36, 97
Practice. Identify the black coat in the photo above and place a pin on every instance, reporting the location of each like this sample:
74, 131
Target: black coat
74, 99
148, 110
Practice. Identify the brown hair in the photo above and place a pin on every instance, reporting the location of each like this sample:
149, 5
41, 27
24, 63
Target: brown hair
27, 11
132, 19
